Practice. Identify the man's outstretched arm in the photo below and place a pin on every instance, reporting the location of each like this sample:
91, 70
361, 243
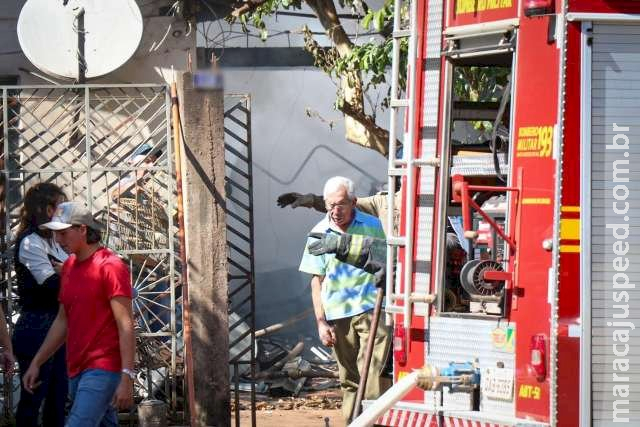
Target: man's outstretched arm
305, 200
369, 205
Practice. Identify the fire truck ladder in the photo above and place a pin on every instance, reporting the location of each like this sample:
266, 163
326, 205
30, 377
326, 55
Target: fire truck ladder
409, 165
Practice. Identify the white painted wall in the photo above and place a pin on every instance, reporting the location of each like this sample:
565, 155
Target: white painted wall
293, 152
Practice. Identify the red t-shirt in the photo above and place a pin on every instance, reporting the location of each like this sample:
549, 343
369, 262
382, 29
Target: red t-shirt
86, 291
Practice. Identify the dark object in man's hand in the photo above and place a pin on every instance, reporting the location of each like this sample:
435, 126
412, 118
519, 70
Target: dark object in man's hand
326, 243
286, 199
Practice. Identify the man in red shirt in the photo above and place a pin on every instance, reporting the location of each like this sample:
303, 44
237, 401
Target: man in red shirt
95, 318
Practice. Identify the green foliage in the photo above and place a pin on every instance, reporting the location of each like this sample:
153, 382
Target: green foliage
371, 60
364, 61
380, 18
479, 84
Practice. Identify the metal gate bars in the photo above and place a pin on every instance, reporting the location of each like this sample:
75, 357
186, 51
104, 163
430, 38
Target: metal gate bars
110, 147
240, 259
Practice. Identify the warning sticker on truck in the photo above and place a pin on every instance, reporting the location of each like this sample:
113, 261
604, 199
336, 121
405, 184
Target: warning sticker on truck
534, 141
504, 338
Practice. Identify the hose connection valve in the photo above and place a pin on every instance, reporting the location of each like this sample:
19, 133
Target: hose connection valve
460, 376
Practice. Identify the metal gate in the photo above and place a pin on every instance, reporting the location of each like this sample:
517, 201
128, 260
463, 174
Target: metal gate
240, 259
108, 146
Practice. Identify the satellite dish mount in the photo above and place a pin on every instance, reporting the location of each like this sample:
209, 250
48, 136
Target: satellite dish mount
80, 30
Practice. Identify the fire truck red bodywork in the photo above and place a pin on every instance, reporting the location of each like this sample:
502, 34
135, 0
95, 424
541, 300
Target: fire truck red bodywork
544, 100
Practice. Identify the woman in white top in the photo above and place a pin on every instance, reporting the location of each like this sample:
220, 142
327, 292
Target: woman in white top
38, 260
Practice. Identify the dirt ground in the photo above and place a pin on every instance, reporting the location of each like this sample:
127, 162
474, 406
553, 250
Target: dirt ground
313, 409
295, 417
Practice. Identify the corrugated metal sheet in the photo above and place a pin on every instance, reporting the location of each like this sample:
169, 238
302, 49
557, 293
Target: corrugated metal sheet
463, 340
615, 97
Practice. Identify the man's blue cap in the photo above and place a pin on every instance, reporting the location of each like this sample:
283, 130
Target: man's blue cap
142, 149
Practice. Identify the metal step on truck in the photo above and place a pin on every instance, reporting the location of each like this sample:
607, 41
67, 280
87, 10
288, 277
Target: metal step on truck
530, 317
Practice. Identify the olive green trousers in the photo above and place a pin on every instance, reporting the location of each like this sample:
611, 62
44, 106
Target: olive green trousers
352, 334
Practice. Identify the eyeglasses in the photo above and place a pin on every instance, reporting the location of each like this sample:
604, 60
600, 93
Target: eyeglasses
339, 205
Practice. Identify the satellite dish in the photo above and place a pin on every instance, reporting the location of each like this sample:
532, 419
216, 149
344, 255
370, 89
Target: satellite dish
56, 34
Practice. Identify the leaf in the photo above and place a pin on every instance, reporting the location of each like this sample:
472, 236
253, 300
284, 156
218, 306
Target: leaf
379, 20
365, 62
366, 21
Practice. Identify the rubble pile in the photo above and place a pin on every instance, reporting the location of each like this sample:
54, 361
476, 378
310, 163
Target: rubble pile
287, 377
284, 369
311, 400
288, 374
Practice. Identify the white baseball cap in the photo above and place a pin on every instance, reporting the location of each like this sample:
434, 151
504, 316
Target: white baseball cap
72, 213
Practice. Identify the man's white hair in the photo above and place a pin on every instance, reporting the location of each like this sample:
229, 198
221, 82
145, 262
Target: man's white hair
336, 183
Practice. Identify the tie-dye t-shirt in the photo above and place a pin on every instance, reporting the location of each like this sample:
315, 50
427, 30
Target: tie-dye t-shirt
346, 290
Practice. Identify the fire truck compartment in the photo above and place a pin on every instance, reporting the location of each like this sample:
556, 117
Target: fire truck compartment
477, 150
611, 215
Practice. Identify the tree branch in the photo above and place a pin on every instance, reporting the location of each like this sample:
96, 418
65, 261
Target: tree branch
244, 6
326, 12
360, 128
323, 57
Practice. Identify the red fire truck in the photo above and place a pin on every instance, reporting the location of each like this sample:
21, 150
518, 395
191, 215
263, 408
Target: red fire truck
533, 322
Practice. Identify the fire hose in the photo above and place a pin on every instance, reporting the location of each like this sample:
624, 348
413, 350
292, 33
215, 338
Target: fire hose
427, 378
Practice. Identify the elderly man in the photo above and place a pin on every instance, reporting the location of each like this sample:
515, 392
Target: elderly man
344, 296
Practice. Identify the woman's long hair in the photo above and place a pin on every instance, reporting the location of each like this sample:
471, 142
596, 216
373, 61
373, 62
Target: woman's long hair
34, 209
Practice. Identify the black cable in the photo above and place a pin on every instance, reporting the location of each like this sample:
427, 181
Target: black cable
506, 95
311, 15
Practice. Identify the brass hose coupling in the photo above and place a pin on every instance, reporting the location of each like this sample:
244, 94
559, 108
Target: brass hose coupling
428, 378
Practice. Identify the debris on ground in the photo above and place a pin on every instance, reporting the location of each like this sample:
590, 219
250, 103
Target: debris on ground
288, 375
282, 368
